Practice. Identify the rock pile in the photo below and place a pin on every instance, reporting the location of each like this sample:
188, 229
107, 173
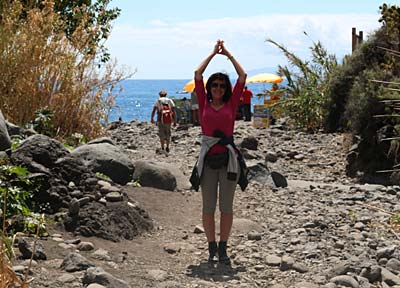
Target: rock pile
69, 187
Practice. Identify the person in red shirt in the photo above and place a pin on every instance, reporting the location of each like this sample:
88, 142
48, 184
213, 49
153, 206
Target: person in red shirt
246, 103
217, 110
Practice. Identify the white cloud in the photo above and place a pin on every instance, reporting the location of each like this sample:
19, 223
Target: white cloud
165, 50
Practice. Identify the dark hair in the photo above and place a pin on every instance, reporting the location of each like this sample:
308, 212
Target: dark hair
219, 76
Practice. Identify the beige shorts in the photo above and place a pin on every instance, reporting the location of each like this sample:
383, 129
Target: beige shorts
164, 131
195, 107
212, 182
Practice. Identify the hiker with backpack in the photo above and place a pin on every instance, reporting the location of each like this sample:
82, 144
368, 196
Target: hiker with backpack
166, 115
220, 166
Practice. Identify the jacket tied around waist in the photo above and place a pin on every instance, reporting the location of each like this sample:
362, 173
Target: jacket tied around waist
235, 161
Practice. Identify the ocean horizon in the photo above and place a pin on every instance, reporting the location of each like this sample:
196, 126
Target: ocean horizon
137, 96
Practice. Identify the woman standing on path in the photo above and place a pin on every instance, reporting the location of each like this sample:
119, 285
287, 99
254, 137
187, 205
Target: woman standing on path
218, 167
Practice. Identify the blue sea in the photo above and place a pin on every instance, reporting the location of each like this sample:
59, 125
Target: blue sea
137, 97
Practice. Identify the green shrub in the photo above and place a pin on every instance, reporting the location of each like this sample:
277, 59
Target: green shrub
305, 98
363, 101
378, 53
43, 122
13, 194
343, 78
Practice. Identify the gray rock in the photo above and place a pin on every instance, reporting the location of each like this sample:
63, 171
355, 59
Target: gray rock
271, 157
149, 174
286, 263
39, 153
386, 252
345, 280
306, 285
393, 265
102, 254
26, 250
114, 197
254, 235
94, 285
157, 274
273, 260
301, 268
75, 262
250, 143
363, 282
244, 226
339, 269
172, 248
73, 208
85, 246
106, 158
66, 278
372, 273
389, 278
329, 285
98, 276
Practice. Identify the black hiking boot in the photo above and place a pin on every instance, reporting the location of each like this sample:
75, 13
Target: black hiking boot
212, 251
222, 256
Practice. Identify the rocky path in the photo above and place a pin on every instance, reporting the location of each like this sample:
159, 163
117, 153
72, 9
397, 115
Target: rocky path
323, 230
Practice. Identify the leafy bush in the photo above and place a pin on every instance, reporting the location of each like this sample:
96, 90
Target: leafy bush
360, 93
363, 100
304, 98
43, 122
14, 196
378, 53
343, 78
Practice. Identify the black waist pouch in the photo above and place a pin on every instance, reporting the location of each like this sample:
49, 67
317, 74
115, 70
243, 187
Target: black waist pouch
217, 161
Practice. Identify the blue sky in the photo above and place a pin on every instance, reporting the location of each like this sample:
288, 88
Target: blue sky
168, 39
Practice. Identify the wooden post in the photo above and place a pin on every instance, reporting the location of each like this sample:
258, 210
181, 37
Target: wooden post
360, 38
356, 40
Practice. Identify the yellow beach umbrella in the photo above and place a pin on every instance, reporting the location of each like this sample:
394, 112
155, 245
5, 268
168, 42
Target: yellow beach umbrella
264, 78
189, 87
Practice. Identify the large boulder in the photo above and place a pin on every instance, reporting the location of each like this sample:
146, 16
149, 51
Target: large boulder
5, 141
151, 174
106, 158
182, 181
39, 153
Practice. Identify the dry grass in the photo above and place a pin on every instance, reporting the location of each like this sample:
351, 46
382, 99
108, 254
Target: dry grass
40, 67
8, 278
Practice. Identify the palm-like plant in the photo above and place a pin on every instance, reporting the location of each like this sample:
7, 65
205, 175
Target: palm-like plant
304, 100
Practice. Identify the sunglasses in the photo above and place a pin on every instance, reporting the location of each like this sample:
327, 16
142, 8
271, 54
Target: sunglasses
220, 85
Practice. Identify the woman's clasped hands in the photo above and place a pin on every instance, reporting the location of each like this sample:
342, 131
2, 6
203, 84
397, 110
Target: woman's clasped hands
219, 48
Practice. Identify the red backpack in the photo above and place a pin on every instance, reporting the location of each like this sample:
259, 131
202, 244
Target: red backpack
166, 113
